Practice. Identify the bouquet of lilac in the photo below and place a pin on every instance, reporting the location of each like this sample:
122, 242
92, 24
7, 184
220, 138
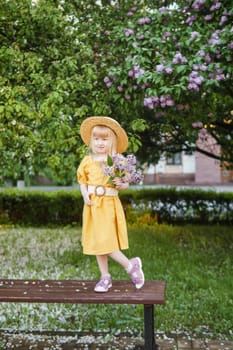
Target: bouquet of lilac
124, 168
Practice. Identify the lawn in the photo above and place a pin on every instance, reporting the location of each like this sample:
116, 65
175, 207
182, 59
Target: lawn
195, 261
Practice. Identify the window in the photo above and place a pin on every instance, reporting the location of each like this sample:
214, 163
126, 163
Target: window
174, 158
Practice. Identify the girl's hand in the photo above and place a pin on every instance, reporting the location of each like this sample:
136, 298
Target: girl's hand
85, 194
119, 184
86, 199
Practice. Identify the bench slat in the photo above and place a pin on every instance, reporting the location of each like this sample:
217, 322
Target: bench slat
77, 291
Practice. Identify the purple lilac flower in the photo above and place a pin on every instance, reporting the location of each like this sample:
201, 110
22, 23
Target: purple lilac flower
131, 73
194, 35
147, 20
162, 100
201, 53
169, 101
197, 4
130, 14
123, 168
155, 101
144, 20
230, 45
208, 18
108, 82
223, 20
190, 20
208, 58
148, 102
203, 67
163, 9
186, 8
166, 35
214, 38
137, 177
195, 81
136, 72
169, 70
218, 54
127, 97
131, 159
218, 75
108, 170
216, 6
106, 79
160, 68
193, 86
129, 32
120, 88
179, 59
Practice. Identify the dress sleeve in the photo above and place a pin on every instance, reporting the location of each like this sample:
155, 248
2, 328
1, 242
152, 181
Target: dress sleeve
81, 171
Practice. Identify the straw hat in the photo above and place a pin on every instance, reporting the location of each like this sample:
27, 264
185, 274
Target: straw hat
88, 124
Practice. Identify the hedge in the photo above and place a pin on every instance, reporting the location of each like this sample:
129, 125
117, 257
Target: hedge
39, 208
176, 206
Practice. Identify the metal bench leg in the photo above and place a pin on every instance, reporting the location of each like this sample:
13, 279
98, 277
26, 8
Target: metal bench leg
149, 328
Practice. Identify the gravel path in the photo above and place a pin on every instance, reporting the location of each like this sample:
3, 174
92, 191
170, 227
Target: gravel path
106, 342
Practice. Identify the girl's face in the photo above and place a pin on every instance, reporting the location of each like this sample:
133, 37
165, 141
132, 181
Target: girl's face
102, 140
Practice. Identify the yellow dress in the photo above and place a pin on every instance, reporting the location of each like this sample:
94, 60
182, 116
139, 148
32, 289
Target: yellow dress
104, 227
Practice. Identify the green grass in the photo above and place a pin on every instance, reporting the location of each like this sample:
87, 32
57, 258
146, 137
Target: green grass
195, 261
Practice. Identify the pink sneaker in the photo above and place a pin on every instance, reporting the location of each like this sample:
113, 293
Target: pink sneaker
104, 284
136, 273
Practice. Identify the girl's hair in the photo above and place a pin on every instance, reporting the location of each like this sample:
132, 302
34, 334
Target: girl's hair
104, 131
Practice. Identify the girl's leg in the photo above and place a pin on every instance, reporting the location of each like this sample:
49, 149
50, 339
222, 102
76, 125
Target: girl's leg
103, 264
105, 281
119, 257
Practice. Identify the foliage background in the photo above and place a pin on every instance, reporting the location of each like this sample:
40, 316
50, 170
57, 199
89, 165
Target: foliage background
163, 71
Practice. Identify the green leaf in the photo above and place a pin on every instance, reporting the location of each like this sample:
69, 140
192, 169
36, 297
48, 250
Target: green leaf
109, 161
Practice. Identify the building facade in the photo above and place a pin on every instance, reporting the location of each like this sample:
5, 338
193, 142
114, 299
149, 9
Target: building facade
188, 169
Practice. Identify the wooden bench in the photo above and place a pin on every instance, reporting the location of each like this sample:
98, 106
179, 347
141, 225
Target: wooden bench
81, 292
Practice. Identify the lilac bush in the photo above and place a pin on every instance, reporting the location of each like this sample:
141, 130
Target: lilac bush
173, 56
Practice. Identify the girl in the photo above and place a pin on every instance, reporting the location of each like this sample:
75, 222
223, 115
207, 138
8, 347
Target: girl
104, 231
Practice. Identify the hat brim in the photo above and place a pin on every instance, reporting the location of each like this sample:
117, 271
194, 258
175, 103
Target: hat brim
89, 123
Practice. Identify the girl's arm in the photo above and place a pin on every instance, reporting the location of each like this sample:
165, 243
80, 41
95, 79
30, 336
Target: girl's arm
86, 198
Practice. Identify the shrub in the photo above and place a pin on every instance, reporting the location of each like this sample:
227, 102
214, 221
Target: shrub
40, 208
147, 206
